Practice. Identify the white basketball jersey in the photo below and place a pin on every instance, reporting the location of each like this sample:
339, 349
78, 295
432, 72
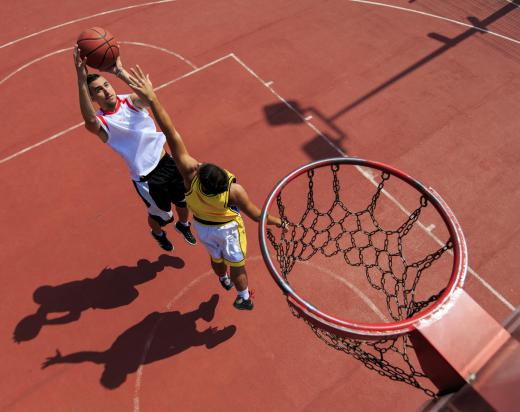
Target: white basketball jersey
132, 134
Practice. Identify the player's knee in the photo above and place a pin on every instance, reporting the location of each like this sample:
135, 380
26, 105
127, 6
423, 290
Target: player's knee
160, 216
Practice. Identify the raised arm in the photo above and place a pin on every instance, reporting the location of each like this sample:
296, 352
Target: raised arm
85, 102
119, 71
141, 84
239, 197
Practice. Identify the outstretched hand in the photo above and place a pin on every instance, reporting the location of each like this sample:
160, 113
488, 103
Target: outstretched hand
141, 84
80, 63
52, 359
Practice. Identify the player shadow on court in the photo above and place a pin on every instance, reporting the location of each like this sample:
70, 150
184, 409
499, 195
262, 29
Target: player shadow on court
110, 289
158, 336
279, 114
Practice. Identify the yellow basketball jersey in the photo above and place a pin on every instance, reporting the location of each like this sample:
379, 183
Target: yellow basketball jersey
210, 208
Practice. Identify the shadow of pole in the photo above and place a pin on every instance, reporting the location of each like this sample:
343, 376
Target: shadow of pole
479, 27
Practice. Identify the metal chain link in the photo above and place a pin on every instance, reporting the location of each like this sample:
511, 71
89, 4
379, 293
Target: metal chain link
298, 242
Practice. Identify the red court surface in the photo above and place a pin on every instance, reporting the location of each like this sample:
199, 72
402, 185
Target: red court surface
260, 87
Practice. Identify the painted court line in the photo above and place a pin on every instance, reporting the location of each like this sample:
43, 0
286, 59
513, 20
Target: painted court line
34, 146
309, 124
139, 373
391, 6
56, 52
103, 13
185, 60
38, 59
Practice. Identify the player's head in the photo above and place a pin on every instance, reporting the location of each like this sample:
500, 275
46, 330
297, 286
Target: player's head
101, 91
214, 180
43, 295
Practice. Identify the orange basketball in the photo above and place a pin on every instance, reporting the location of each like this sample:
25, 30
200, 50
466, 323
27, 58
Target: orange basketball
99, 47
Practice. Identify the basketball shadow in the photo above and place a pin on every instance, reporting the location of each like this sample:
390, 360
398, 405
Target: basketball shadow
110, 289
158, 336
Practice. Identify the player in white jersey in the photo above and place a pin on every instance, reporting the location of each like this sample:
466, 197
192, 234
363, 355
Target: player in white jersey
123, 122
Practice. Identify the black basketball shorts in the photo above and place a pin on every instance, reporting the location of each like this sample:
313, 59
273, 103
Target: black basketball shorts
160, 188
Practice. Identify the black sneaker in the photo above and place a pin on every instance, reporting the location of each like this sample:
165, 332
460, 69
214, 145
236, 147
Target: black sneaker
226, 283
243, 304
163, 241
186, 232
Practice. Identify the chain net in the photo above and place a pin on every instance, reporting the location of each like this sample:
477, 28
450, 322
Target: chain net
303, 239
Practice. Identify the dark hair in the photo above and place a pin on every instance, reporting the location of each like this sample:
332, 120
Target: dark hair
214, 180
91, 77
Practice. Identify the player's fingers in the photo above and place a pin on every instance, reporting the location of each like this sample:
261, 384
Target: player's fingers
140, 71
137, 78
135, 73
133, 81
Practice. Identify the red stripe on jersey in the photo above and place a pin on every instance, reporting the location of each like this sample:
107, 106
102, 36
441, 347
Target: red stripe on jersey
103, 120
127, 101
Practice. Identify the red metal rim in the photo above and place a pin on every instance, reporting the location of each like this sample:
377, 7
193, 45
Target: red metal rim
360, 330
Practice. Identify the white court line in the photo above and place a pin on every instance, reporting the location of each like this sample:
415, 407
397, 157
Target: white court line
170, 1
28, 148
139, 374
19, 69
103, 13
185, 60
509, 1
391, 6
194, 71
351, 286
151, 46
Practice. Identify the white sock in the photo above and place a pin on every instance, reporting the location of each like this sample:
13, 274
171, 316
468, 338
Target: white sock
244, 294
186, 224
225, 279
159, 234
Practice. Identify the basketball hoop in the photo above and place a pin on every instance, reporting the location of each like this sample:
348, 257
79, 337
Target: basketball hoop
324, 232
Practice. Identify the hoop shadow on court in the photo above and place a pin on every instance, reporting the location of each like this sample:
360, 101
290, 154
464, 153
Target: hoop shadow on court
291, 112
110, 289
158, 336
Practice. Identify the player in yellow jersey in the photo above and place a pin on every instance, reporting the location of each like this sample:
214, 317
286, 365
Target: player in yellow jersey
214, 198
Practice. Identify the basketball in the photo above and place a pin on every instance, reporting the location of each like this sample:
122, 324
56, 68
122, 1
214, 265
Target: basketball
99, 47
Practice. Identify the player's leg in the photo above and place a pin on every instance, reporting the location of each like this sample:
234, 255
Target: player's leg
220, 269
234, 254
159, 211
207, 237
174, 184
154, 226
183, 226
239, 278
